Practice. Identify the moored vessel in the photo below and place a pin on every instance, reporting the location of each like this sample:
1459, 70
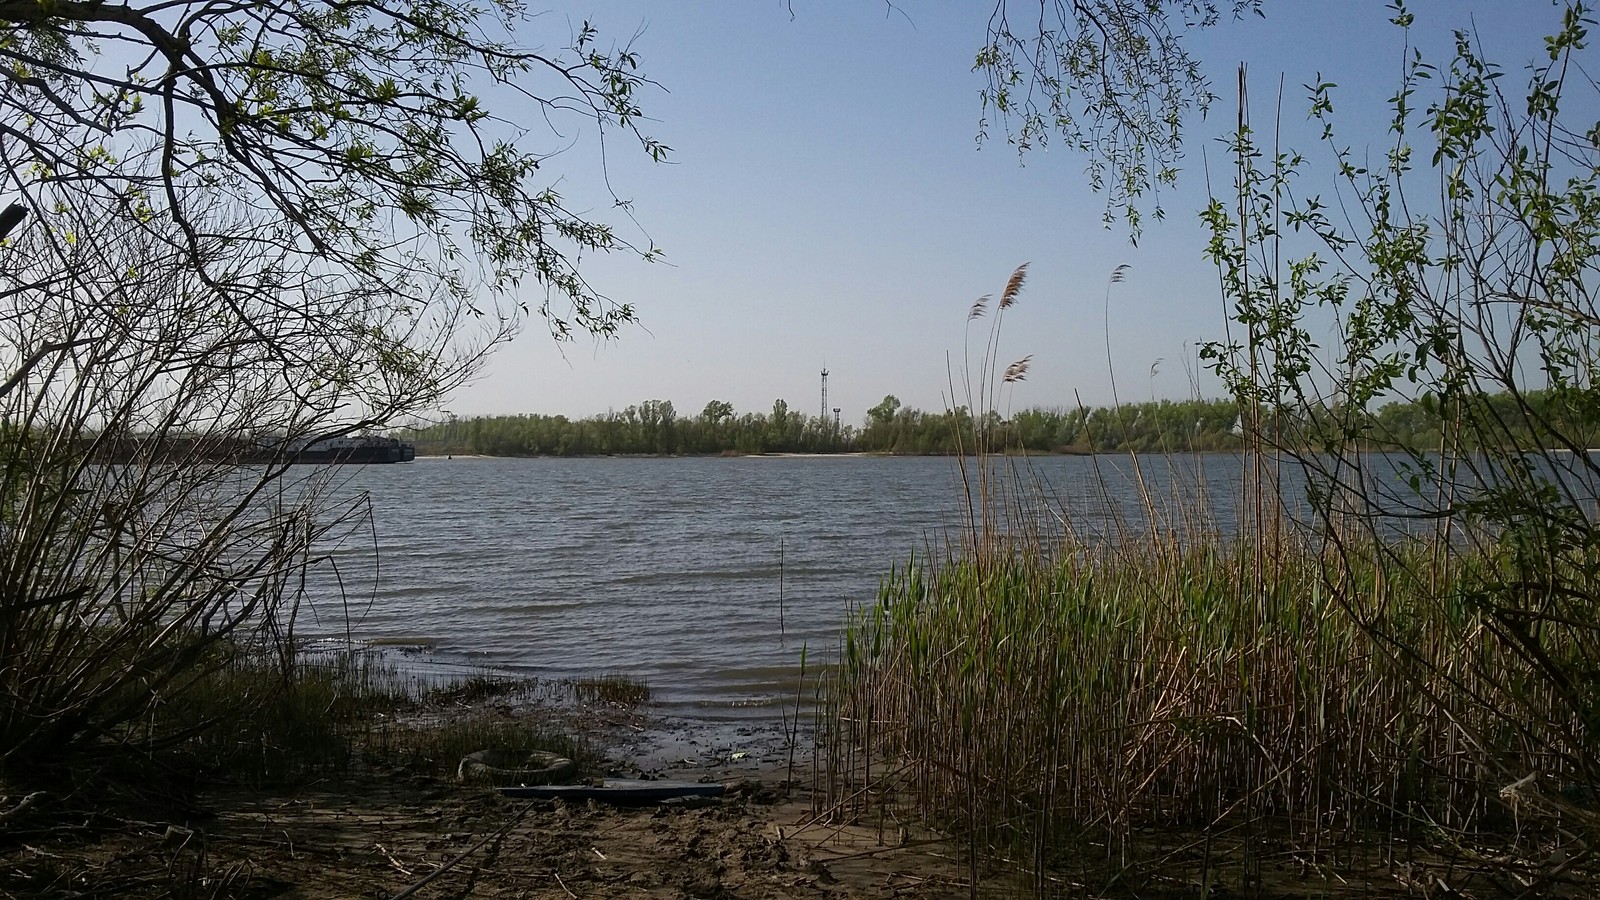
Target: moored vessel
360, 448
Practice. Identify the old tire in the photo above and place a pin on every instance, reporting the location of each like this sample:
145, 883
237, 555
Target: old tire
508, 767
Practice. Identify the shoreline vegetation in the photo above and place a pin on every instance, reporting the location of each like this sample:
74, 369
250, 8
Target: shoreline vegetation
654, 428
1162, 705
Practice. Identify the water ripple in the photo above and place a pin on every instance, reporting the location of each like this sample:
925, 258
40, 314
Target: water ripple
663, 569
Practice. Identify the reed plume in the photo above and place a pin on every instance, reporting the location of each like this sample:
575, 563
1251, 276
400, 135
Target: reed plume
1013, 287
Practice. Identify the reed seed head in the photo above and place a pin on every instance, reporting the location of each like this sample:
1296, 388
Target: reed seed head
1014, 286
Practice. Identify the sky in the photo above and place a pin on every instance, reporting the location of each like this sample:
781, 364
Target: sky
826, 205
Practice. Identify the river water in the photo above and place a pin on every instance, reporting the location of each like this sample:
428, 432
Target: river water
704, 577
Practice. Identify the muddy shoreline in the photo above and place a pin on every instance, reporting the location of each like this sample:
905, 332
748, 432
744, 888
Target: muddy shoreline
413, 830
416, 831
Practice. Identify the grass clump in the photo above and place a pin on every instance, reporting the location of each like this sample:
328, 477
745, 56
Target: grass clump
437, 746
480, 687
612, 690
1048, 704
255, 722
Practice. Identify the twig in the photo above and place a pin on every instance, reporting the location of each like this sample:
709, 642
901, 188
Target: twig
909, 845
394, 862
22, 807
464, 854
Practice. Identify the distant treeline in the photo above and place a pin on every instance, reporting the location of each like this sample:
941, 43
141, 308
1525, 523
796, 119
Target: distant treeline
655, 427
1565, 418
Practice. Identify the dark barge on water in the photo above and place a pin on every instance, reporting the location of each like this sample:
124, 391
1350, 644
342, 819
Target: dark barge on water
364, 448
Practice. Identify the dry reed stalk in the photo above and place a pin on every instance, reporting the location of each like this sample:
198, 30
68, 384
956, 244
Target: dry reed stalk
1179, 668
1038, 689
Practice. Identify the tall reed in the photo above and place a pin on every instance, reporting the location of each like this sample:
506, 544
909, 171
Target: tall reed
1049, 690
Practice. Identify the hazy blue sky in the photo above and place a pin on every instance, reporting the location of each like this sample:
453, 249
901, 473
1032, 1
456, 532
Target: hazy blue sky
826, 204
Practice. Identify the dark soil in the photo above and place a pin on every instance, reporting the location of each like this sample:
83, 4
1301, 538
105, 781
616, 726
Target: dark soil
414, 831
